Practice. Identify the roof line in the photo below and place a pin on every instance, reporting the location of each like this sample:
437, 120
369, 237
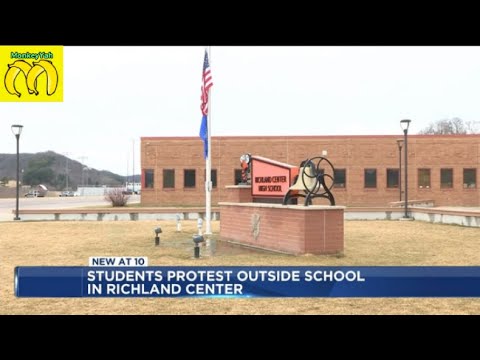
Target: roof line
296, 137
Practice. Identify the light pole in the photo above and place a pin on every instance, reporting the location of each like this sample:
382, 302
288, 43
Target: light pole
404, 124
17, 130
66, 169
400, 144
133, 166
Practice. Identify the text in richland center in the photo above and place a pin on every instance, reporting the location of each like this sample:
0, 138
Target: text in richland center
202, 281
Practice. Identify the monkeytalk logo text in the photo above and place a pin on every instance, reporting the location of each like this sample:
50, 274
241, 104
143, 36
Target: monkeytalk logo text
32, 74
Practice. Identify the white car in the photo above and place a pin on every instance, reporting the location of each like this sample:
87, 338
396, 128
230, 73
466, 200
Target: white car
33, 193
67, 193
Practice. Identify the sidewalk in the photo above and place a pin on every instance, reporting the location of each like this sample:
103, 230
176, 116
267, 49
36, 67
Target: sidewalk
6, 217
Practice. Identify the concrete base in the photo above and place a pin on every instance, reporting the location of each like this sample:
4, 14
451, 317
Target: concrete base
443, 215
293, 229
116, 214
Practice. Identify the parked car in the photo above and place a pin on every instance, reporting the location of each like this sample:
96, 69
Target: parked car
33, 193
67, 193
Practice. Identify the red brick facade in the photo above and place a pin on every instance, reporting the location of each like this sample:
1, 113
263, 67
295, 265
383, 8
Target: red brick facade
292, 229
352, 153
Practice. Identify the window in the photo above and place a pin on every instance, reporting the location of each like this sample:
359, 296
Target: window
168, 178
340, 176
469, 178
392, 178
148, 176
189, 178
213, 177
370, 178
424, 178
237, 176
446, 178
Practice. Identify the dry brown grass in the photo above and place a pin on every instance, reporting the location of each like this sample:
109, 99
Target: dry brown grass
366, 243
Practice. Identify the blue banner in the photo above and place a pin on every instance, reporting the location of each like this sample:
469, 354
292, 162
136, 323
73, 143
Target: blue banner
242, 282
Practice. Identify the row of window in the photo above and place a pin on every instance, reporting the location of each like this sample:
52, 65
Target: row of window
446, 178
424, 178
370, 178
189, 178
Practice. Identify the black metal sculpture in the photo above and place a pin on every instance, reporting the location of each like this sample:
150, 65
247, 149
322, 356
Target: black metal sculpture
315, 178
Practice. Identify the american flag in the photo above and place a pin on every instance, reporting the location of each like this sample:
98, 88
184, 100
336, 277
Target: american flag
206, 85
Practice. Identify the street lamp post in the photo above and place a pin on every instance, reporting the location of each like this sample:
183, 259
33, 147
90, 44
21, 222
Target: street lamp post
404, 124
133, 166
400, 144
17, 130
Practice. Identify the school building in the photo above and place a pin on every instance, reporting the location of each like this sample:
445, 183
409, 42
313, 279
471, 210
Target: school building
442, 168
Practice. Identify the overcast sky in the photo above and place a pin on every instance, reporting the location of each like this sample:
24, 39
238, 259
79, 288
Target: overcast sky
115, 95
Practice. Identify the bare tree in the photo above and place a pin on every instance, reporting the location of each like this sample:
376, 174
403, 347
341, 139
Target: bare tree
473, 127
451, 126
117, 197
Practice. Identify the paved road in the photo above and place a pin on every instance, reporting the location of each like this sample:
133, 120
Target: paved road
7, 205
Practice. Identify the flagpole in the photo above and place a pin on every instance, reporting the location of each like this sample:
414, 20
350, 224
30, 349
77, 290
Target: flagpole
208, 177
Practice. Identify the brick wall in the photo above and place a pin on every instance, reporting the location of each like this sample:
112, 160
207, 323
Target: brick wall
292, 229
241, 193
353, 153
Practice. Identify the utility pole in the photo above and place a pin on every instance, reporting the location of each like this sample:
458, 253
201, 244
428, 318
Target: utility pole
128, 168
82, 159
66, 169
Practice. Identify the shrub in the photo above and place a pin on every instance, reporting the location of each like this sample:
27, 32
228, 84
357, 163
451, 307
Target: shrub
116, 197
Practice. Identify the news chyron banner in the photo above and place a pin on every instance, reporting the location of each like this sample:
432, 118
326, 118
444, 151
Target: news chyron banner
31, 73
131, 280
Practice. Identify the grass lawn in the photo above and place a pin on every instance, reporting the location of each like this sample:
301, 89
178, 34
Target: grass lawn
70, 243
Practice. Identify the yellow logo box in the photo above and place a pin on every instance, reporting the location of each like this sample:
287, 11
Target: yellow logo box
31, 73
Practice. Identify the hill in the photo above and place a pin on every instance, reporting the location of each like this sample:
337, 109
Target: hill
49, 168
